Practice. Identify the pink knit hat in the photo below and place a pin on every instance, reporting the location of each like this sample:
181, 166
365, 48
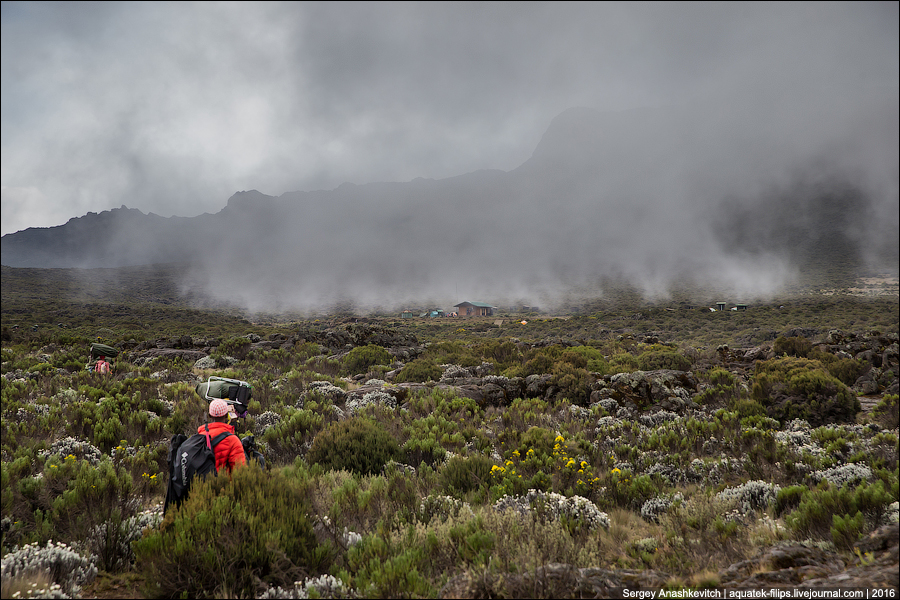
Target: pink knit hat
218, 408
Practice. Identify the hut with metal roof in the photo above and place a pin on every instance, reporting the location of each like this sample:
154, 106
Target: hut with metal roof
475, 309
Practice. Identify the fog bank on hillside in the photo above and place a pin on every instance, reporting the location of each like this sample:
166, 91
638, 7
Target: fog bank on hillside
661, 200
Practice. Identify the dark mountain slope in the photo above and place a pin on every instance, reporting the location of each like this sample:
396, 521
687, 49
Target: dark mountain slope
649, 195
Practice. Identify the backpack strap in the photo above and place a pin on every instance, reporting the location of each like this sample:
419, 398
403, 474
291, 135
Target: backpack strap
220, 437
211, 443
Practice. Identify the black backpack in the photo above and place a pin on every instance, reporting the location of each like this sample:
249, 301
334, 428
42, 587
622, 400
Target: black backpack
189, 457
251, 452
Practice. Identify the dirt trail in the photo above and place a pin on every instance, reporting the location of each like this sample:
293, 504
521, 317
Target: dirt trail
867, 403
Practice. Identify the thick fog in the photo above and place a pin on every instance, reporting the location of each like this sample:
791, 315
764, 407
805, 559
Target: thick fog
559, 145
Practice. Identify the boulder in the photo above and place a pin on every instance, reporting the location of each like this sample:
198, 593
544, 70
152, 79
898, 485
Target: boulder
661, 389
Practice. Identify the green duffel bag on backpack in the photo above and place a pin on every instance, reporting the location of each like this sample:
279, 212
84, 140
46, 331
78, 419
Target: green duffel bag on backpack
235, 392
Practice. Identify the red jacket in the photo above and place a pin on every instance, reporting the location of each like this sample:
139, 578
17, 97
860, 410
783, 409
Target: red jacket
229, 452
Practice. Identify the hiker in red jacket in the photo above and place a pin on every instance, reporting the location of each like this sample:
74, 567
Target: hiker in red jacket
102, 366
229, 452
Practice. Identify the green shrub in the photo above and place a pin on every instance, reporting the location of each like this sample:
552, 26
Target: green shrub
324, 365
724, 389
576, 359
357, 444
537, 444
96, 507
538, 365
596, 362
573, 382
798, 388
428, 451
423, 435
462, 474
886, 411
623, 362
237, 347
503, 354
747, 408
788, 498
419, 370
720, 376
630, 492
813, 517
453, 352
664, 358
380, 568
232, 537
362, 358
286, 438
846, 370
846, 530
792, 346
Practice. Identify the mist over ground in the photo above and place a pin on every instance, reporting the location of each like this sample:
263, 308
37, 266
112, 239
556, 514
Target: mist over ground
660, 200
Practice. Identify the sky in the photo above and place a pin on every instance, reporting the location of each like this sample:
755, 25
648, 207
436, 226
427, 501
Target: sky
172, 107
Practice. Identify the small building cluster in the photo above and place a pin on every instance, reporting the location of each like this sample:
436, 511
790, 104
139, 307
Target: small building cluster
720, 306
464, 309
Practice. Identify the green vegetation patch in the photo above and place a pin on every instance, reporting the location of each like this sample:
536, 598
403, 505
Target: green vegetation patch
799, 388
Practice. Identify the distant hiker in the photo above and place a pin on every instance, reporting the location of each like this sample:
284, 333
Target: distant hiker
230, 451
102, 366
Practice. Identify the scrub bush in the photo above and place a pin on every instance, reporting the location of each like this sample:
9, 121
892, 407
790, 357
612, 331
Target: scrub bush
573, 382
237, 347
503, 354
596, 362
630, 492
788, 498
419, 370
720, 376
464, 474
886, 411
362, 358
623, 362
813, 517
792, 346
287, 437
97, 506
538, 365
357, 445
847, 370
846, 530
752, 495
452, 352
798, 388
233, 537
663, 358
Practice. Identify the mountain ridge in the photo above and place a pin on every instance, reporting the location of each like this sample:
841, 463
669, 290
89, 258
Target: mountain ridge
642, 194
